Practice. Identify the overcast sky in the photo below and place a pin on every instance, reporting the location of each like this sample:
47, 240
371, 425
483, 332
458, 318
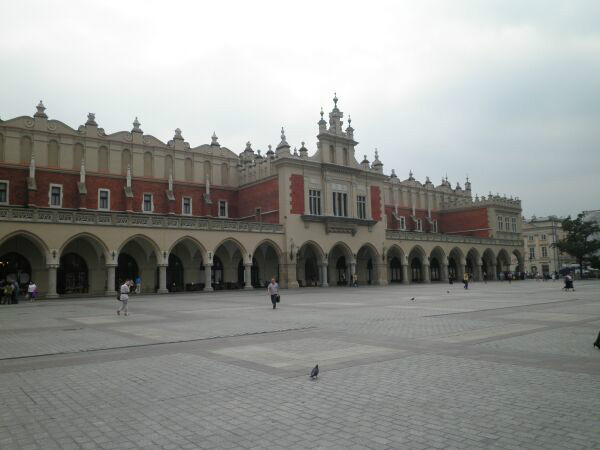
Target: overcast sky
507, 92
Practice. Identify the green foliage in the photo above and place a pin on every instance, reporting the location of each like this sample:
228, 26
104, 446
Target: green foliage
578, 243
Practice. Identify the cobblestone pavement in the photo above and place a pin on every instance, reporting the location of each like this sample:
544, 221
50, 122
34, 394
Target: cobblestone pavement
496, 367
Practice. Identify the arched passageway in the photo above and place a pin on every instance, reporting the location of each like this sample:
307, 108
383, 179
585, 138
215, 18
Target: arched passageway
340, 265
127, 269
72, 275
309, 265
417, 261
175, 271
265, 264
502, 264
186, 267
230, 254
456, 264
366, 268
437, 265
145, 254
396, 268
473, 264
23, 259
488, 260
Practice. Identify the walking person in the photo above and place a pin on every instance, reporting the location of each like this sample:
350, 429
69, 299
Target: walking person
597, 342
31, 291
124, 297
15, 293
273, 290
466, 280
7, 293
138, 285
485, 277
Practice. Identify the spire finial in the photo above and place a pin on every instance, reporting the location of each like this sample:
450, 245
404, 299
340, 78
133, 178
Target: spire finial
321, 112
349, 120
40, 110
177, 134
214, 140
282, 134
376, 154
91, 119
136, 126
335, 100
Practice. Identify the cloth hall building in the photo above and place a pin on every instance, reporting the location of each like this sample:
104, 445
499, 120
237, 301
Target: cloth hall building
81, 209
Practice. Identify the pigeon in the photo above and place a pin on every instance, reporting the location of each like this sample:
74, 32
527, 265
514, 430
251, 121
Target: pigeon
447, 292
412, 299
314, 374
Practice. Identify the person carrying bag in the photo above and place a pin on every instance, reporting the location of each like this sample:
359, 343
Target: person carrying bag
273, 290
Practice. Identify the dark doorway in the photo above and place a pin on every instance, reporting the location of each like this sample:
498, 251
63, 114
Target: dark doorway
436, 273
72, 275
417, 273
369, 271
311, 271
127, 269
15, 267
174, 274
217, 273
395, 270
341, 270
452, 268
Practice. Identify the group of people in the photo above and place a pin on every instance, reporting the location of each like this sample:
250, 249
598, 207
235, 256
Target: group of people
10, 291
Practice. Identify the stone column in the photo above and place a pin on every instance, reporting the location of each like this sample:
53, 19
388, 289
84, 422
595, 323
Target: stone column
352, 272
478, 272
493, 276
248, 276
444, 269
382, 276
323, 267
162, 279
52, 281
208, 278
405, 279
110, 281
426, 273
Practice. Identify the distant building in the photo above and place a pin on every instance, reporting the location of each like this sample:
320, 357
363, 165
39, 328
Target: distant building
539, 235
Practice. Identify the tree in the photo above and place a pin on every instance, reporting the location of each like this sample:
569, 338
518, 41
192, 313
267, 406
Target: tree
578, 242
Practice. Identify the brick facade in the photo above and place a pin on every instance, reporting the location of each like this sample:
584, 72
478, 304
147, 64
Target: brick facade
297, 194
263, 195
376, 203
471, 222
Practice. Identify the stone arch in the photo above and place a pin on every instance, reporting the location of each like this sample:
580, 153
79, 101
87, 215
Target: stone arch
502, 264
310, 258
231, 256
265, 263
396, 265
99, 246
488, 260
456, 264
188, 271
438, 264
148, 165
367, 265
519, 267
53, 153
473, 264
340, 260
25, 149
147, 256
23, 245
418, 262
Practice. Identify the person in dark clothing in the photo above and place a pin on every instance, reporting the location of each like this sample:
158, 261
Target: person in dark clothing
597, 343
15, 293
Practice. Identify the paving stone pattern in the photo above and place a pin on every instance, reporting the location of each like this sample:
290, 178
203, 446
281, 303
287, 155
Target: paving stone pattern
496, 367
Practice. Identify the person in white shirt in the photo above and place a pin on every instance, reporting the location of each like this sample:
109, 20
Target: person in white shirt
31, 291
273, 290
124, 297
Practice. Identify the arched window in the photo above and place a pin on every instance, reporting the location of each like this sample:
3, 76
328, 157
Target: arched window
25, 149
53, 154
168, 165
331, 154
1, 147
346, 159
224, 174
78, 156
125, 161
207, 171
103, 159
189, 169
148, 165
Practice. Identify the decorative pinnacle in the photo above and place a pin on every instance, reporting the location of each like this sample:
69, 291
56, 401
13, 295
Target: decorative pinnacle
302, 143
335, 100
40, 110
349, 120
136, 125
214, 139
376, 154
178, 134
91, 119
321, 112
282, 134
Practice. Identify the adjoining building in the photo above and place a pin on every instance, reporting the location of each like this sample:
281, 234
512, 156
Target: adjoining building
82, 209
541, 256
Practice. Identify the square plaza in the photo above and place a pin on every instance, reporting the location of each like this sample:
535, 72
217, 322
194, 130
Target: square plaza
498, 366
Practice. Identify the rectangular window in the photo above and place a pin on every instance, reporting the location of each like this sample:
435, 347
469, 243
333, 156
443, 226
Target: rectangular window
507, 223
530, 237
104, 199
544, 252
55, 195
543, 237
340, 204
314, 202
361, 206
4, 192
148, 205
514, 224
419, 225
223, 208
402, 221
500, 223
186, 206
531, 252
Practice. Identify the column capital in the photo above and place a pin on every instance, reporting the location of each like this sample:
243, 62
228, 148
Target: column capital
109, 265
52, 266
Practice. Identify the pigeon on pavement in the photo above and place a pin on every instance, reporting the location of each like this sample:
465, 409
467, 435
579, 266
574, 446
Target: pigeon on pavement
412, 299
314, 374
